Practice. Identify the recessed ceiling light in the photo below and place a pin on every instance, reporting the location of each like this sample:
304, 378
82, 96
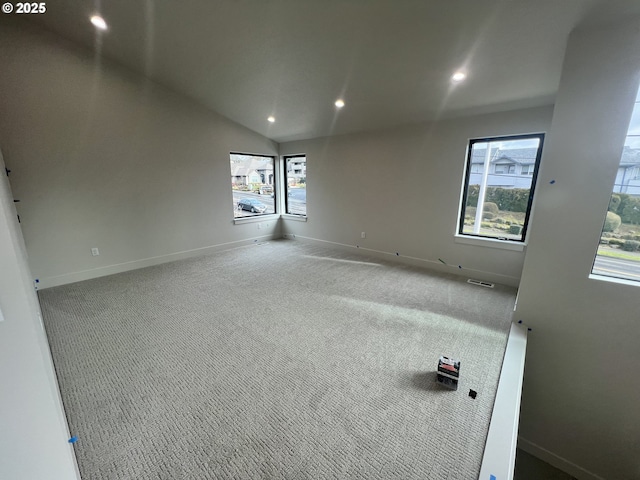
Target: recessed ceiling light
339, 103
458, 76
271, 119
99, 22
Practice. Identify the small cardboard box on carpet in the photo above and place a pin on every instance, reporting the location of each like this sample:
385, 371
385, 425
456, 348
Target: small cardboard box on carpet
448, 372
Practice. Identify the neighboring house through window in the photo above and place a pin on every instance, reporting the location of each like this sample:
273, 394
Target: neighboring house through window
627, 179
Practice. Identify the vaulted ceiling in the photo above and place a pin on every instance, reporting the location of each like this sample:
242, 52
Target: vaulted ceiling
390, 60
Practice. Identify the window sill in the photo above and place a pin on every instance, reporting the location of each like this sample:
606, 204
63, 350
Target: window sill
621, 281
297, 218
255, 219
490, 243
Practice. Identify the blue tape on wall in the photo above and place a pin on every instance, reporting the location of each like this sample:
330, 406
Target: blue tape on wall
492, 477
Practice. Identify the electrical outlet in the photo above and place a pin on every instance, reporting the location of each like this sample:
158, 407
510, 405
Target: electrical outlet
95, 252
259, 226
363, 235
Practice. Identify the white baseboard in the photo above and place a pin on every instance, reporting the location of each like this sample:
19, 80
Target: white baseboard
417, 262
556, 460
48, 282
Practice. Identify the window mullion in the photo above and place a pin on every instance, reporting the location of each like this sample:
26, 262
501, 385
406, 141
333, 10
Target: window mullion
483, 190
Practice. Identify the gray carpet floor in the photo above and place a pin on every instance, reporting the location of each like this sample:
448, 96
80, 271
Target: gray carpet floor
281, 360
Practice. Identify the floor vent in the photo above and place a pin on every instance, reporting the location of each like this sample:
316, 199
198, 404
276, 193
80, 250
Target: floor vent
480, 283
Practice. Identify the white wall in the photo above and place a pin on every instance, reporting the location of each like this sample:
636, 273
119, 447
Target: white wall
580, 406
34, 439
402, 187
102, 158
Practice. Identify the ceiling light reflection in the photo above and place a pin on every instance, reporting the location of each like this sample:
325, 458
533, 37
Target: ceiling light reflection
99, 22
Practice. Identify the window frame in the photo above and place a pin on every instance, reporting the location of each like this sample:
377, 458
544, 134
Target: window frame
492, 239
285, 159
614, 273
256, 216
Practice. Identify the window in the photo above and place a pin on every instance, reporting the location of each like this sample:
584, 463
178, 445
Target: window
252, 185
477, 167
527, 169
296, 185
497, 205
618, 254
502, 169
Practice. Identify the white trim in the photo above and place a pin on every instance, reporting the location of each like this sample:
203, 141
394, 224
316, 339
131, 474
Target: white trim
24, 325
621, 281
256, 218
420, 262
297, 218
556, 460
499, 457
280, 188
48, 282
271, 216
55, 387
489, 242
